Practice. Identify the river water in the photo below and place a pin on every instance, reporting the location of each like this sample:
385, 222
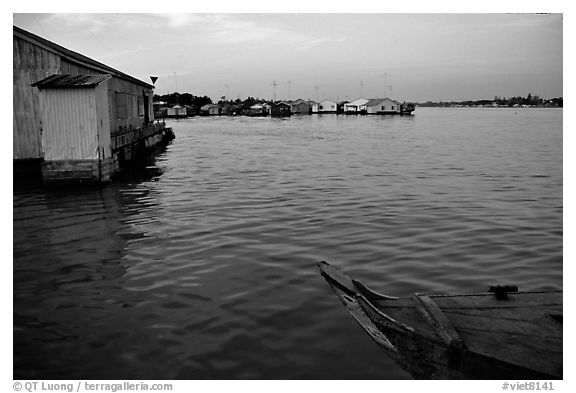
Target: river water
203, 265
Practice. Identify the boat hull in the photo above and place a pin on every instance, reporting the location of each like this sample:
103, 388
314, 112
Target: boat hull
489, 342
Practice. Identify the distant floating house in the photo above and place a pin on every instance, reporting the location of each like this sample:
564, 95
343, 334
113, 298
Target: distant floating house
380, 106
327, 106
301, 107
313, 106
176, 111
356, 106
280, 109
340, 106
230, 109
259, 110
210, 110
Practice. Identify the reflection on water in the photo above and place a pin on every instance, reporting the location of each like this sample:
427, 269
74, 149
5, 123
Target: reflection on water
203, 266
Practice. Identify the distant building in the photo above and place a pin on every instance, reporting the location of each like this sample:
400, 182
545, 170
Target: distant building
176, 111
313, 106
230, 109
382, 106
340, 106
280, 109
301, 107
327, 106
356, 106
210, 110
259, 110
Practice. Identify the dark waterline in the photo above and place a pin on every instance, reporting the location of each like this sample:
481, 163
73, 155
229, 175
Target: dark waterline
204, 265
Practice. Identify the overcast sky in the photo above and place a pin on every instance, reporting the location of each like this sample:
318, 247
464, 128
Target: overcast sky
409, 57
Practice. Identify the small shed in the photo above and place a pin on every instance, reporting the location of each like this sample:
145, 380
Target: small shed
75, 118
281, 109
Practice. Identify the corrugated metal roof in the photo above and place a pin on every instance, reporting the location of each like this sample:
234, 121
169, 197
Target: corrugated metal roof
76, 57
62, 81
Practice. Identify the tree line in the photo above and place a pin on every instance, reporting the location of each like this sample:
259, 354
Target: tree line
529, 100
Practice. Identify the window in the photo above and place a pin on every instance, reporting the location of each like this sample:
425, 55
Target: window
121, 105
383, 107
392, 107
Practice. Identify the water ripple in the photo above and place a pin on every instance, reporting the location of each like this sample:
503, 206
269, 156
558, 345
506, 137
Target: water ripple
204, 266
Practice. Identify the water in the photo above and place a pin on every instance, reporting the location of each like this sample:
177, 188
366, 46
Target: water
204, 266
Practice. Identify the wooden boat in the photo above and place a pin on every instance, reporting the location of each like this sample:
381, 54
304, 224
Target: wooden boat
502, 334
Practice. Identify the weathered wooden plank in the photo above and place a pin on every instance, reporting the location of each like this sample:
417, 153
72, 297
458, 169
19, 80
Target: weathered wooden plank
15, 54
521, 299
437, 320
517, 349
530, 324
37, 59
23, 49
369, 293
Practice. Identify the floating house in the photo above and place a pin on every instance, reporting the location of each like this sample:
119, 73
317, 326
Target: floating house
382, 106
356, 106
301, 107
280, 109
313, 106
230, 109
259, 110
327, 106
176, 111
340, 106
210, 110
76, 119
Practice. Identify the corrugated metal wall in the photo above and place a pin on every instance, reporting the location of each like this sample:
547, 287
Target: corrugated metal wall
30, 64
69, 124
103, 120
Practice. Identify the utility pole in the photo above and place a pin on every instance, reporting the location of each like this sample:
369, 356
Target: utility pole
385, 82
176, 91
274, 84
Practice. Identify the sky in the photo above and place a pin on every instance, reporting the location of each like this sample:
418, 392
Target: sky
408, 57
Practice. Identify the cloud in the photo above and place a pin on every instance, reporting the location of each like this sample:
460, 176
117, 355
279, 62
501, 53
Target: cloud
90, 22
241, 29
